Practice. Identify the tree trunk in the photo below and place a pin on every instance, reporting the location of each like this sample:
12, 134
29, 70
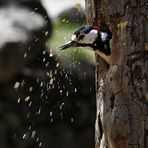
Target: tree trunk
122, 87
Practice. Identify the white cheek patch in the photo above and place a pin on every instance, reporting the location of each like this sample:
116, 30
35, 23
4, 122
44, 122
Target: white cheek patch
103, 36
90, 37
74, 38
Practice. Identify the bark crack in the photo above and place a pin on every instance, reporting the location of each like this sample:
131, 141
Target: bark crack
100, 127
112, 100
137, 62
145, 138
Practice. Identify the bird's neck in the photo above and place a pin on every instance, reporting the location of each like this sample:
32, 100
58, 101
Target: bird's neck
97, 43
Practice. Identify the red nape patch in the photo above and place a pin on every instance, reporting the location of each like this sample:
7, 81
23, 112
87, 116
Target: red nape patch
96, 27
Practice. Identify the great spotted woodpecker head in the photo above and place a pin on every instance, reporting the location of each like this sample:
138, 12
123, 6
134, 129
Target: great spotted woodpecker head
92, 36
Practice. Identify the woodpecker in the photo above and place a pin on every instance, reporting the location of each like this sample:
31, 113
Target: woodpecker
96, 37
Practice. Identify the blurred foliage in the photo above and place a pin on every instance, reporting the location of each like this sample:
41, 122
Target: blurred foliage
73, 15
43, 104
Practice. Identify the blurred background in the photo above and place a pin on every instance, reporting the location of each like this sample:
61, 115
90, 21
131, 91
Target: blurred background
47, 96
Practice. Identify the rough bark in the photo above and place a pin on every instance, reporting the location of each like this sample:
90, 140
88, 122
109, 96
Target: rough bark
122, 87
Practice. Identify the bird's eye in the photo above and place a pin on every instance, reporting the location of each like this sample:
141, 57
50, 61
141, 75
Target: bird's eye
81, 37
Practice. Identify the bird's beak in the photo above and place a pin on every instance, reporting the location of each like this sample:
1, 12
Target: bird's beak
68, 45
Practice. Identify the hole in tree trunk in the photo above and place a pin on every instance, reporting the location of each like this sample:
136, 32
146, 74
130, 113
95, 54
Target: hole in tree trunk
112, 99
100, 127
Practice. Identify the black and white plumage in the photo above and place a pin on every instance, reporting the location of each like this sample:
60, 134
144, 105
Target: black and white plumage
91, 36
